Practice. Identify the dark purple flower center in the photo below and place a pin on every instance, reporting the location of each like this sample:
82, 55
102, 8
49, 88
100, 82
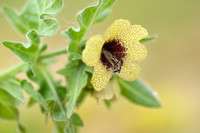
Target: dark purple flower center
112, 54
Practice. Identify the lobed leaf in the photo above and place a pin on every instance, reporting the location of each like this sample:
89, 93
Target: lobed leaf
139, 93
86, 18
32, 17
27, 52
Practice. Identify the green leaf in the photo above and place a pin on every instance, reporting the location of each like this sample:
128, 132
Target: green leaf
51, 85
76, 80
44, 87
7, 109
34, 94
58, 117
27, 52
43, 48
86, 18
61, 126
53, 94
70, 66
107, 103
148, 38
12, 86
81, 97
48, 27
48, 104
77, 120
74, 56
32, 17
103, 15
61, 91
58, 112
21, 127
31, 102
139, 93
42, 90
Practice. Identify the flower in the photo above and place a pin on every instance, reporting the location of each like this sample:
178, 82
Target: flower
118, 51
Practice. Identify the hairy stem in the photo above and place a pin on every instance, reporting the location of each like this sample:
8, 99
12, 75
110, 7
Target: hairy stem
18, 68
53, 53
12, 70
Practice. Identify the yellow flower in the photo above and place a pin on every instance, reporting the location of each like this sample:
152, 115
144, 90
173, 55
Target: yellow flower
118, 51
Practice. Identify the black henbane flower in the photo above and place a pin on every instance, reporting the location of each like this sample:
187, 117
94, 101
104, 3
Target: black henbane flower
118, 51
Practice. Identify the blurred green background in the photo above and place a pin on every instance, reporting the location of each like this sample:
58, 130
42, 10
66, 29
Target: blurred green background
171, 68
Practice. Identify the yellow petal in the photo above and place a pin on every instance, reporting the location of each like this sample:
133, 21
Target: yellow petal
106, 93
111, 91
92, 52
135, 52
117, 29
129, 71
101, 76
134, 34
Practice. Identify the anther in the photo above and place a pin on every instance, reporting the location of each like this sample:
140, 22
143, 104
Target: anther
118, 68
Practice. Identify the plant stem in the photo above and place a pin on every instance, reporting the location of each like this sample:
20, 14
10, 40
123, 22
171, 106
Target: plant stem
53, 53
13, 70
18, 68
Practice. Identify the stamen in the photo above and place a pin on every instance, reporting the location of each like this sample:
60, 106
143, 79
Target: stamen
118, 68
122, 63
116, 64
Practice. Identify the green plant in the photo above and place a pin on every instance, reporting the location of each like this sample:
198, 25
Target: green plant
56, 100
